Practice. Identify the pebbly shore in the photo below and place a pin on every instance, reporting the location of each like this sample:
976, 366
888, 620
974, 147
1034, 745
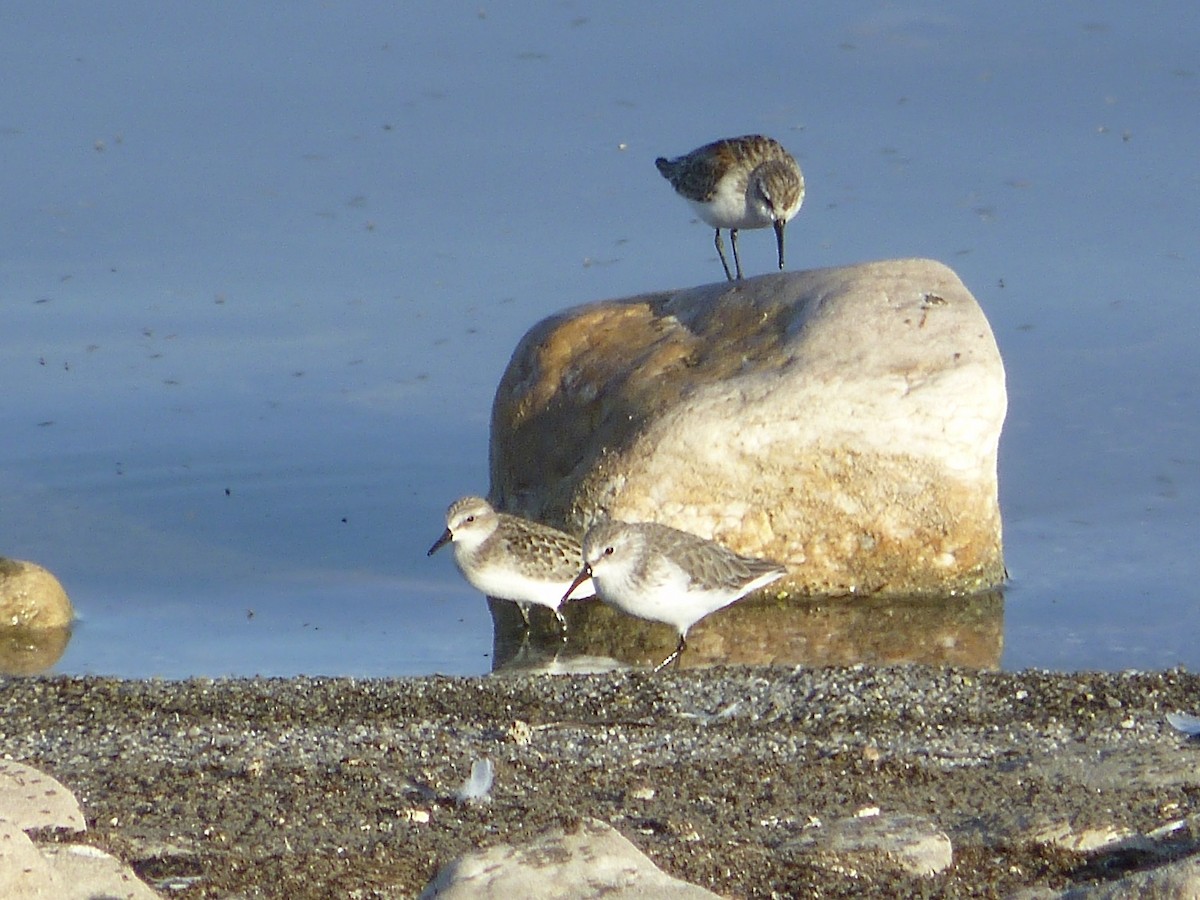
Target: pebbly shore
726, 778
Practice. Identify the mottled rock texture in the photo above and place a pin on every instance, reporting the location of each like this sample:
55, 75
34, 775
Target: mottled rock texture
31, 800
843, 421
31, 597
590, 861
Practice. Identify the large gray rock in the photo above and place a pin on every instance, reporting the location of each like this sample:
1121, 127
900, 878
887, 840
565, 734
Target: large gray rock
843, 421
594, 860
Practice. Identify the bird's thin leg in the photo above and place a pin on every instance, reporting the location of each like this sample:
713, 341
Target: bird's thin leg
524, 611
563, 622
721, 253
779, 225
674, 657
736, 261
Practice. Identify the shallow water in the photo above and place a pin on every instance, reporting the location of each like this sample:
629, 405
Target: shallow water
263, 273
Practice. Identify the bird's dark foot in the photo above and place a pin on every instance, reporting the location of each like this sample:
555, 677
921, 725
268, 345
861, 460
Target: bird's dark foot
673, 658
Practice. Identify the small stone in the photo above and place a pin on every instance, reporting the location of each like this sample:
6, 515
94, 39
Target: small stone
1085, 840
520, 733
910, 843
593, 860
62, 871
24, 872
35, 618
31, 597
31, 799
87, 871
1176, 879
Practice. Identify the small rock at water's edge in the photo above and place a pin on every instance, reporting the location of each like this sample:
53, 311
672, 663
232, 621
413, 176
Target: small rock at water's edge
31, 597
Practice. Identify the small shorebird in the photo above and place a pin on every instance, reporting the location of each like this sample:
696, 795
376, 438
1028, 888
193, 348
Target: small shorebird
511, 558
665, 575
742, 182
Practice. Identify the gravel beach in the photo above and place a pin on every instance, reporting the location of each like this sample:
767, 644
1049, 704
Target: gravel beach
337, 787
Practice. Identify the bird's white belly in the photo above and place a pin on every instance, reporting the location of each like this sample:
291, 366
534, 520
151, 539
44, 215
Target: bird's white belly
677, 602
506, 584
728, 209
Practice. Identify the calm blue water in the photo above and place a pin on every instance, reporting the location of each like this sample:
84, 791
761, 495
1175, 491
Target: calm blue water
263, 268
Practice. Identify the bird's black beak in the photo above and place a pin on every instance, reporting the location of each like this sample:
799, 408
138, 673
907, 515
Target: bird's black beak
447, 537
780, 224
583, 576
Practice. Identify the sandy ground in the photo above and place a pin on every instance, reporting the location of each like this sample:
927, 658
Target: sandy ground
335, 787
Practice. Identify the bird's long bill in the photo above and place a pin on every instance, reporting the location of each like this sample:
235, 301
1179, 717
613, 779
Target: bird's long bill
583, 576
780, 224
441, 542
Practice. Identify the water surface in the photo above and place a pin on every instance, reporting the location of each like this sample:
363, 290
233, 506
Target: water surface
263, 270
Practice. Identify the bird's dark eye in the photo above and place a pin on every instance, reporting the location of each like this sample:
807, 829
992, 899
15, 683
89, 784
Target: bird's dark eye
470, 518
608, 551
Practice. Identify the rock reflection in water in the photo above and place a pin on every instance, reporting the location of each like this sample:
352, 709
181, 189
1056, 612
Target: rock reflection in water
31, 651
956, 631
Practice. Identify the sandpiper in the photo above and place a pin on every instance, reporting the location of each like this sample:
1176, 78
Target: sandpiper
513, 558
742, 182
665, 575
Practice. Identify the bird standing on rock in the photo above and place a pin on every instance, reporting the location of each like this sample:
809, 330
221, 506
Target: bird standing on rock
742, 182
